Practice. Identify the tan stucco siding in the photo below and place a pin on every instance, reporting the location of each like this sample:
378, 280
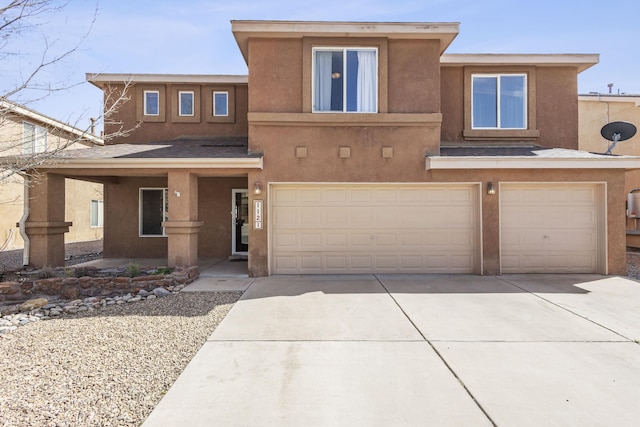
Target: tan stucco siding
279, 91
414, 73
557, 107
170, 126
595, 112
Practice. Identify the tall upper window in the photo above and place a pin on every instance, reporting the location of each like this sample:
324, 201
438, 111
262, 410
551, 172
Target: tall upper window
499, 101
345, 80
151, 103
154, 210
185, 100
34, 138
220, 103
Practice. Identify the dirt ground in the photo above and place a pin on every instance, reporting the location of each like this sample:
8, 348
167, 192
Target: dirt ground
75, 253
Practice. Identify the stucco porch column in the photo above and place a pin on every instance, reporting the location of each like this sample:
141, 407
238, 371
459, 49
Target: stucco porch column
183, 226
46, 226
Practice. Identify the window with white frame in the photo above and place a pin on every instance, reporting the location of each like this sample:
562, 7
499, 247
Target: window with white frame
154, 210
499, 101
151, 103
345, 80
34, 138
97, 213
185, 103
220, 104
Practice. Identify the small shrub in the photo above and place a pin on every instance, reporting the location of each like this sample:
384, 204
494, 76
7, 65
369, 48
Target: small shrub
133, 269
45, 272
163, 271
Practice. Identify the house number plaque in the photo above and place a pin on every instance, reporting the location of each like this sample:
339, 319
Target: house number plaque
257, 214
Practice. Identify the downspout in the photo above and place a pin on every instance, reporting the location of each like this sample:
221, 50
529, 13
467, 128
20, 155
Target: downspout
23, 221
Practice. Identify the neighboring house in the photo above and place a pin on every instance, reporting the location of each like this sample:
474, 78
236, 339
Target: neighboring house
356, 148
24, 132
595, 111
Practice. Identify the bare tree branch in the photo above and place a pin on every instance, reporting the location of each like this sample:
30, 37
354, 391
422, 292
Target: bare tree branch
28, 144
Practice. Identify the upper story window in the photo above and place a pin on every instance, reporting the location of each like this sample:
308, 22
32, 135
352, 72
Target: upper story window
499, 101
345, 80
221, 104
185, 101
151, 103
34, 138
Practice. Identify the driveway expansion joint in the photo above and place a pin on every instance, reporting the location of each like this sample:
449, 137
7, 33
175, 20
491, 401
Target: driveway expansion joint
449, 367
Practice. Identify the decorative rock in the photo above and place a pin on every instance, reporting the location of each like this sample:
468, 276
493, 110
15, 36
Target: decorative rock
161, 292
135, 299
33, 304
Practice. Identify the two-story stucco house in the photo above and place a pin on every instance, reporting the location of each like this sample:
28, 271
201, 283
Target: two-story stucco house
356, 148
29, 134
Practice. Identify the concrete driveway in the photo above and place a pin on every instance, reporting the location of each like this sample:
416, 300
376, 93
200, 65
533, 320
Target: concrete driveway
442, 350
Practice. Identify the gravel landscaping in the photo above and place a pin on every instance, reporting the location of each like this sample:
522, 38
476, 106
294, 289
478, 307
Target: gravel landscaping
107, 367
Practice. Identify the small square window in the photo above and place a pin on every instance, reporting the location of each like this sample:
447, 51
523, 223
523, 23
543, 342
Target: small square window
185, 100
220, 104
151, 103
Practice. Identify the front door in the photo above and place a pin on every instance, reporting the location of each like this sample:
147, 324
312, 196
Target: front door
240, 222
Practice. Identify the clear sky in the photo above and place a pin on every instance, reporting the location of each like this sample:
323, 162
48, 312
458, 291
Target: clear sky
194, 37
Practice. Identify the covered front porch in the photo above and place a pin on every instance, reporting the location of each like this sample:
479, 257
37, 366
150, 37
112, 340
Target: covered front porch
176, 202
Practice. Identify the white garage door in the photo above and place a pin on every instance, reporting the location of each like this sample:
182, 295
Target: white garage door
551, 228
351, 229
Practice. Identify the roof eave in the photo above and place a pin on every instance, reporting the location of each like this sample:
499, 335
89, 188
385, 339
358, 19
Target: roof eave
581, 61
101, 80
528, 162
243, 30
165, 163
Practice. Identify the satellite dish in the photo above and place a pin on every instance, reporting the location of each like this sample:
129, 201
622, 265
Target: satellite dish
616, 132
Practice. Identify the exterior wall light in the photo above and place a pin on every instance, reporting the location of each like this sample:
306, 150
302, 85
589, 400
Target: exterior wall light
257, 189
491, 190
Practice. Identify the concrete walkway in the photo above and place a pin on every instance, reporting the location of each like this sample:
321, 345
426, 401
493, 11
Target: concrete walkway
440, 350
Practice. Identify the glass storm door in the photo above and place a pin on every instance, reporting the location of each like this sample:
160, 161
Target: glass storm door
240, 222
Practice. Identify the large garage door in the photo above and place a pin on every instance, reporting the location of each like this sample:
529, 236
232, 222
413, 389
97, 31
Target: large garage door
551, 228
351, 229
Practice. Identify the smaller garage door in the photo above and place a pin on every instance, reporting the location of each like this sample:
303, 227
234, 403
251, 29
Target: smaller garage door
369, 228
551, 228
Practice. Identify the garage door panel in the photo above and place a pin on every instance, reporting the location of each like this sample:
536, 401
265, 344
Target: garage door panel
311, 241
549, 228
374, 228
283, 217
285, 241
336, 240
